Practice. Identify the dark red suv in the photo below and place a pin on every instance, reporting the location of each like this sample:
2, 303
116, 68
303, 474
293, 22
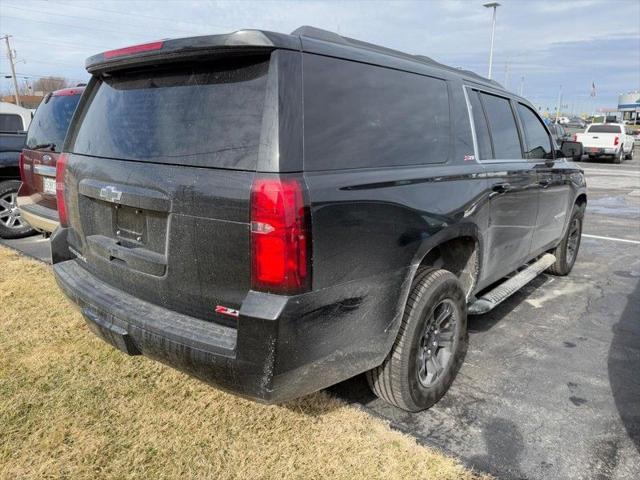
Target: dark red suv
37, 195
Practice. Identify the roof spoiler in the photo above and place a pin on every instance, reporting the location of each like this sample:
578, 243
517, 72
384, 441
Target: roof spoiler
163, 51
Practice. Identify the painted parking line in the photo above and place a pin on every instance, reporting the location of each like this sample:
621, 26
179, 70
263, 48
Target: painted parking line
596, 171
613, 239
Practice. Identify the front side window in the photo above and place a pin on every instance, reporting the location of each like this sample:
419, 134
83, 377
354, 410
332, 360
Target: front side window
502, 124
10, 123
536, 137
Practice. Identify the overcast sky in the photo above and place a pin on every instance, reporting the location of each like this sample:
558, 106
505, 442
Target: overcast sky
550, 43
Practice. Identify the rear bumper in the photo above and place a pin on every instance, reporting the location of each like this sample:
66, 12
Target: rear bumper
601, 152
282, 348
41, 218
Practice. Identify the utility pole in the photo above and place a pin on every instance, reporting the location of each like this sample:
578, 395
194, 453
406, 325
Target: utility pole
521, 86
559, 102
507, 74
495, 6
11, 56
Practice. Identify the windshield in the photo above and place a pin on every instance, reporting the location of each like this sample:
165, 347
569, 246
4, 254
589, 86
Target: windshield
604, 129
202, 115
51, 121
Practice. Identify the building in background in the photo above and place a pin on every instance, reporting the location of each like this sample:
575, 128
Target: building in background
27, 101
629, 107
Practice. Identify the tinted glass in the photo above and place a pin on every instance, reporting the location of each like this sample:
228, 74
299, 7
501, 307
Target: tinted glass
504, 133
205, 115
10, 123
51, 121
604, 129
537, 139
358, 115
482, 129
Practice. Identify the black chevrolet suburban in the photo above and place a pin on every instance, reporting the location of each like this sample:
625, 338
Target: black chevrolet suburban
274, 214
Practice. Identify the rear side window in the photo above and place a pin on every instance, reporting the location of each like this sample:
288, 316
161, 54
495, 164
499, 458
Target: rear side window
537, 139
10, 123
502, 124
482, 129
51, 121
604, 129
206, 115
358, 115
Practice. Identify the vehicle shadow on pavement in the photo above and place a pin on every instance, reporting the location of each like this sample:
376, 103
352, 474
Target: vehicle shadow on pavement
503, 441
623, 365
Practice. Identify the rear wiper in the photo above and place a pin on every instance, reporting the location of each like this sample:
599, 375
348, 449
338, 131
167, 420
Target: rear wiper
50, 146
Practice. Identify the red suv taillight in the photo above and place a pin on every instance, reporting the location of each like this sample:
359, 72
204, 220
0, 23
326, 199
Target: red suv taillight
61, 167
616, 141
280, 260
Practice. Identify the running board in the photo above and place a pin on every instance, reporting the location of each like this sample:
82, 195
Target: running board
492, 299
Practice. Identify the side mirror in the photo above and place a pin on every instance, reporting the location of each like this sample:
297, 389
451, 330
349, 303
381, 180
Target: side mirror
571, 150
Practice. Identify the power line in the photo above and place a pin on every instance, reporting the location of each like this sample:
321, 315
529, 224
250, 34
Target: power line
73, 16
30, 75
72, 26
57, 63
69, 44
162, 19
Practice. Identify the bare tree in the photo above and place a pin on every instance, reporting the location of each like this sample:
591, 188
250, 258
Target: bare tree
50, 84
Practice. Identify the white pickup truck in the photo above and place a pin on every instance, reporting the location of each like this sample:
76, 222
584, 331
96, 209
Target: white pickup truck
606, 140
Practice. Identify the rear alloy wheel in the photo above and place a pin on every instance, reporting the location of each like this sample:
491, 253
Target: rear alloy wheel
11, 224
567, 250
430, 347
619, 157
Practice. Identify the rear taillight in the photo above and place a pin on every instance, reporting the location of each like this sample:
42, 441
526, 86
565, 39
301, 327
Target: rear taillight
280, 259
61, 167
21, 166
616, 141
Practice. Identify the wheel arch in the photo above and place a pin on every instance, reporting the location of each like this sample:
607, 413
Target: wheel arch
457, 250
462, 238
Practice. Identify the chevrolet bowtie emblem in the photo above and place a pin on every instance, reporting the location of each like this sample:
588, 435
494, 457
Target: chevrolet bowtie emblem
110, 193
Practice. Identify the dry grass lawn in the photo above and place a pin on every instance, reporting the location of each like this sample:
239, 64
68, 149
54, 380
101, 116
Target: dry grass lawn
73, 407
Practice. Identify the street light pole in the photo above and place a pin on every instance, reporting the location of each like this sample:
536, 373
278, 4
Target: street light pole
495, 6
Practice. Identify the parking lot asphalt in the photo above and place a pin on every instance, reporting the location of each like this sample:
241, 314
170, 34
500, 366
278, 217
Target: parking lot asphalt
551, 384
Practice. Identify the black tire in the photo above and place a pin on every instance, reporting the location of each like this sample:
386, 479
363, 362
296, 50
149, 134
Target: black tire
629, 155
567, 250
618, 158
11, 225
403, 378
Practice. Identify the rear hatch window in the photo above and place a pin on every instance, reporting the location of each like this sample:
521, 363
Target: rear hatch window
51, 121
204, 115
604, 129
